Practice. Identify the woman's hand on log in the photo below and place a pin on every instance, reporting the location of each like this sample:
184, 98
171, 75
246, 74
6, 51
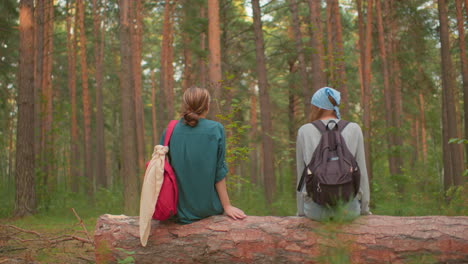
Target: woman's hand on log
234, 212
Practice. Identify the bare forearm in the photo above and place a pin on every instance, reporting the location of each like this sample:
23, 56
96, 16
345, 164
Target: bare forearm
222, 193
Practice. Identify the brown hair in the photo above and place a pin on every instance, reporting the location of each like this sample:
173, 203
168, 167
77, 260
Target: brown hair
195, 102
316, 113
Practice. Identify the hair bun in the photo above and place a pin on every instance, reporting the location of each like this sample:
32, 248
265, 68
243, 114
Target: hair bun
191, 118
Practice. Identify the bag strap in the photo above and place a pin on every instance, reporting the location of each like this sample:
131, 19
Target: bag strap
300, 186
342, 124
320, 126
170, 129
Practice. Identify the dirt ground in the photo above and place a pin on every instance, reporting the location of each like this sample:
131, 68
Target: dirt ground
44, 246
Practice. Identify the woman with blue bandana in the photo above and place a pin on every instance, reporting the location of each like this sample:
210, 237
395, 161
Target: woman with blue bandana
324, 107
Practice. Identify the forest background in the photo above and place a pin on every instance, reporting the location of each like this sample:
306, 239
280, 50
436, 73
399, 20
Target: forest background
87, 87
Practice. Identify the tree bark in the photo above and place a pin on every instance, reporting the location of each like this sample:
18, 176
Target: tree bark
46, 98
306, 92
166, 65
100, 160
463, 62
129, 170
319, 78
75, 172
201, 60
340, 76
253, 135
88, 171
270, 239
25, 200
330, 40
387, 89
136, 32
153, 111
265, 107
366, 59
456, 162
422, 117
214, 67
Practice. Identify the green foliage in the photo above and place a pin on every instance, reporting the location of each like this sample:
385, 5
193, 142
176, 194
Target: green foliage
127, 260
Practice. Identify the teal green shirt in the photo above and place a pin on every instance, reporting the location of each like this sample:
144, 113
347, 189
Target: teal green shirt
197, 157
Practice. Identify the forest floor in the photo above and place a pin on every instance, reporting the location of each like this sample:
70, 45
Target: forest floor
47, 239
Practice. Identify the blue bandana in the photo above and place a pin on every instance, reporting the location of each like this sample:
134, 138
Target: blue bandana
320, 99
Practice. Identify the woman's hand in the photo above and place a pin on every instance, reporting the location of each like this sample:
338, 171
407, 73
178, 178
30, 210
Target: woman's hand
234, 212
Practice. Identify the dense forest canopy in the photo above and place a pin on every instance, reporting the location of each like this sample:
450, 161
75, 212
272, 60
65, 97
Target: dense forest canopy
87, 87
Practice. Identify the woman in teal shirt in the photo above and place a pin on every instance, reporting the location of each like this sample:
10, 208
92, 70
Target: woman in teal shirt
197, 150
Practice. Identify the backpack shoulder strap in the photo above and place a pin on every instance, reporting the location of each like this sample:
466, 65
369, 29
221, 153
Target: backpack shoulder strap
320, 126
342, 124
170, 129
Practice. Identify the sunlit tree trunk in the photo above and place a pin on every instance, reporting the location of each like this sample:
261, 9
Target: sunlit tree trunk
454, 162
463, 61
129, 163
75, 172
306, 91
86, 101
265, 107
214, 66
316, 43
25, 200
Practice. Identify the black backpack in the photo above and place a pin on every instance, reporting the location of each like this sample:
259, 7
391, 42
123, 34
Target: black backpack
332, 175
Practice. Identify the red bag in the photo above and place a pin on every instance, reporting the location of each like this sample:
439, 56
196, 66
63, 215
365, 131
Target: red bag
166, 206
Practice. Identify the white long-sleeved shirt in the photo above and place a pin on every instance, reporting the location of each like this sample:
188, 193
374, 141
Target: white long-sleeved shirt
308, 138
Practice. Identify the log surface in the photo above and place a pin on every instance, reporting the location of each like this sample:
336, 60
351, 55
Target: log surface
269, 239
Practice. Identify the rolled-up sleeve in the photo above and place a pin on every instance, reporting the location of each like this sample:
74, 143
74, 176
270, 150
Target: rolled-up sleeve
221, 166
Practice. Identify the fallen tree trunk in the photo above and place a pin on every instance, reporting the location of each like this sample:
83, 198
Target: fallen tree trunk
268, 239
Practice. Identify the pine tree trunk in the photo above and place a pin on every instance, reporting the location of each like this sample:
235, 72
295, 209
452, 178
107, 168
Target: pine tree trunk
38, 73
201, 60
214, 67
340, 81
153, 111
463, 62
46, 97
129, 170
265, 107
100, 159
25, 200
365, 49
187, 75
86, 102
422, 117
293, 111
253, 135
387, 89
166, 65
136, 32
319, 78
330, 40
306, 92
272, 239
456, 164
75, 172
